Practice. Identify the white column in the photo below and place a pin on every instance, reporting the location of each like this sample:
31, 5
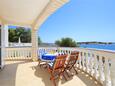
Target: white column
34, 44
3, 53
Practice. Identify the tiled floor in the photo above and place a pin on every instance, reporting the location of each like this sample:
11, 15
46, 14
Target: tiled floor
23, 72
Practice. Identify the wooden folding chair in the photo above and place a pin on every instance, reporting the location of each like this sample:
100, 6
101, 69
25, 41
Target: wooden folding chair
56, 68
71, 62
42, 63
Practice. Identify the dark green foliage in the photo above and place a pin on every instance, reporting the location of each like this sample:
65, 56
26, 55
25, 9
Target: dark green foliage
24, 34
13, 36
20, 31
39, 40
58, 42
66, 42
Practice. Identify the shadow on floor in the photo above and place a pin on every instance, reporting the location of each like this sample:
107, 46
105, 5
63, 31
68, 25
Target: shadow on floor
69, 78
87, 79
44, 75
81, 76
8, 73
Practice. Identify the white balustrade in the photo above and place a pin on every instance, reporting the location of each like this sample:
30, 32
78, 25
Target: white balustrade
100, 64
16, 52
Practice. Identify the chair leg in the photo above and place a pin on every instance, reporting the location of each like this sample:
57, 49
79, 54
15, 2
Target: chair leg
54, 83
75, 70
67, 73
53, 79
64, 77
70, 70
62, 74
38, 62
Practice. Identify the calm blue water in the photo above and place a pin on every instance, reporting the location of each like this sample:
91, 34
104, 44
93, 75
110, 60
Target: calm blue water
99, 46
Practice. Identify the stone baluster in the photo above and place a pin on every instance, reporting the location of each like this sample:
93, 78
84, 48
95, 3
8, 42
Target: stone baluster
87, 62
112, 69
80, 60
96, 66
101, 70
83, 62
107, 73
91, 62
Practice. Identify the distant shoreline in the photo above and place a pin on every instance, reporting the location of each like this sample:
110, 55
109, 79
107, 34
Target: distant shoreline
95, 42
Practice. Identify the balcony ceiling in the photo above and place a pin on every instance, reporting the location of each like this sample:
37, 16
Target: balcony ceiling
27, 12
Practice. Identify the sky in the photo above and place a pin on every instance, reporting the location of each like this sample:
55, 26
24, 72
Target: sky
81, 20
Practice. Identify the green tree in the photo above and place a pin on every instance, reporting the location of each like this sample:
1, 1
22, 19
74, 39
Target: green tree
20, 31
66, 42
57, 42
24, 34
39, 40
12, 35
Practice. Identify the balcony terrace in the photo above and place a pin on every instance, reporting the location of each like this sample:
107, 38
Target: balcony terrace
25, 72
95, 68
19, 66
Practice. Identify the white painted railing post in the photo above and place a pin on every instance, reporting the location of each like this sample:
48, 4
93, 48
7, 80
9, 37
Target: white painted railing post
101, 70
87, 62
96, 66
91, 64
80, 60
112, 69
82, 57
107, 73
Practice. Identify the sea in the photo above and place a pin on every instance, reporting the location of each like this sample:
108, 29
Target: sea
99, 46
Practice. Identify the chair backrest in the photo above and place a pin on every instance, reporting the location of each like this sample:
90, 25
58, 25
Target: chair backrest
40, 53
59, 62
72, 59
